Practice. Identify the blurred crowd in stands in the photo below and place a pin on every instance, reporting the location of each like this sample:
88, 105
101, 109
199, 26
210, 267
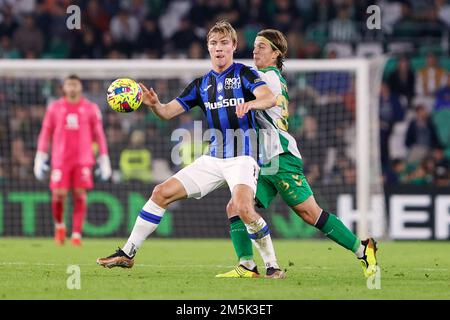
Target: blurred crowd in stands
414, 98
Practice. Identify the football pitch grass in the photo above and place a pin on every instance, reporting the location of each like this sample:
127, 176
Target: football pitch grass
184, 269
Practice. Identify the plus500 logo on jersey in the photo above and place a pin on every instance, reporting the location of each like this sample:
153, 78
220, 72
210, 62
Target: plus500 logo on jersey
232, 83
232, 102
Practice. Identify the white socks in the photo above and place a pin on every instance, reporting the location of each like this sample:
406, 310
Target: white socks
147, 222
249, 264
258, 231
360, 252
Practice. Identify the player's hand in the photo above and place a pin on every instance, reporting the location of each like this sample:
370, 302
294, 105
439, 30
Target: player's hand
104, 165
243, 108
40, 165
149, 97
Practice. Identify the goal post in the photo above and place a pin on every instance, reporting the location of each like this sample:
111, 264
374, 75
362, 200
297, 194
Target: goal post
337, 99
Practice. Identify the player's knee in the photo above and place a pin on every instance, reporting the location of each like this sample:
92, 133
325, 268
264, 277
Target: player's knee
231, 210
80, 195
160, 195
244, 210
79, 192
59, 195
308, 214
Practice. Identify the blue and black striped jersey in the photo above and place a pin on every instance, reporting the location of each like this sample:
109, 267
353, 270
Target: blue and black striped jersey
218, 94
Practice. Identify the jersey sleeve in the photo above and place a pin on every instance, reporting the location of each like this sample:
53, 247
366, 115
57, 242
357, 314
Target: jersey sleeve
251, 78
190, 96
272, 80
48, 126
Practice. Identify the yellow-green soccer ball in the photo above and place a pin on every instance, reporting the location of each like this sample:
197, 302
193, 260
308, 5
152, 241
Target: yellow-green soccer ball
124, 95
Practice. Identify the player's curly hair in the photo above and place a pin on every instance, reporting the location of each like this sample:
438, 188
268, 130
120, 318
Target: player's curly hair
223, 27
279, 43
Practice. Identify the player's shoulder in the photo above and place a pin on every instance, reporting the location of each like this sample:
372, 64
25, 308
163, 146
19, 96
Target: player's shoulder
197, 82
56, 103
90, 104
271, 72
245, 68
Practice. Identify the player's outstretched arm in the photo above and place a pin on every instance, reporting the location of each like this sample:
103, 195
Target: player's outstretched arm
165, 111
264, 100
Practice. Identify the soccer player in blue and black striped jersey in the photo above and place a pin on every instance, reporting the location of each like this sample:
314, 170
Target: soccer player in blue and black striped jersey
227, 95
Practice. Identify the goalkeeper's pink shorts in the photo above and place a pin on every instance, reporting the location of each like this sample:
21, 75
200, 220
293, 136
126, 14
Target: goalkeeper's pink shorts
72, 177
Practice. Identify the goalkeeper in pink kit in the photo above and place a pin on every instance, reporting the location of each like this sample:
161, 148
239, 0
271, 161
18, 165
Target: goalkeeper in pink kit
71, 125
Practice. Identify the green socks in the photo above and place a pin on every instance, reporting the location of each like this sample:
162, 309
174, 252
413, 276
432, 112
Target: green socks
334, 229
241, 241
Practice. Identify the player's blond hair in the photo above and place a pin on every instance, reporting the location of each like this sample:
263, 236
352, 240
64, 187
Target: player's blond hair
278, 42
225, 28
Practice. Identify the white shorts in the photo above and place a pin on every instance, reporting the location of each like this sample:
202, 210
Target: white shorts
207, 174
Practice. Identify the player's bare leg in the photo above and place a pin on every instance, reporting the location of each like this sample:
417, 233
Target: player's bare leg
334, 229
146, 223
79, 214
257, 228
58, 199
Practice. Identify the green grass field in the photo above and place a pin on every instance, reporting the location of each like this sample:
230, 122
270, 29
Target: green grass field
178, 269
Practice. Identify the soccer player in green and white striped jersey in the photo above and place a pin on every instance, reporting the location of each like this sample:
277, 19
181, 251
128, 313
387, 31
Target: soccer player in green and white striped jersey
281, 152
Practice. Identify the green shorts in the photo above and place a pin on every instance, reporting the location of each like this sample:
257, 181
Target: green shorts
289, 181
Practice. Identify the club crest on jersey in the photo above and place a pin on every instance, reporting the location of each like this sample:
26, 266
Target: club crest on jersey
219, 87
232, 83
72, 121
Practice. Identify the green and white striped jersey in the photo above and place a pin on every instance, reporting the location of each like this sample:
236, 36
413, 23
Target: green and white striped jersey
273, 122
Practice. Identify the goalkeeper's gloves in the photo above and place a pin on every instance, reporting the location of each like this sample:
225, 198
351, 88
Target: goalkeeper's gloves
104, 167
40, 165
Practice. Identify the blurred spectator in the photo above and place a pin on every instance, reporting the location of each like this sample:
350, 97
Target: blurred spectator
136, 159
243, 50
196, 51
28, 39
6, 49
394, 174
284, 16
256, 13
391, 111
96, 17
442, 100
342, 28
322, 11
421, 135
443, 11
3, 177
107, 45
183, 37
8, 22
85, 45
419, 175
229, 10
441, 174
307, 139
57, 26
22, 7
139, 9
150, 37
430, 78
199, 13
402, 81
124, 31
21, 159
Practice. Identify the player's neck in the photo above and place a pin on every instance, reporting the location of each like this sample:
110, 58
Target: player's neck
220, 69
75, 100
266, 66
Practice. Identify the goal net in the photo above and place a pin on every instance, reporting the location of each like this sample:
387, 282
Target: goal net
333, 115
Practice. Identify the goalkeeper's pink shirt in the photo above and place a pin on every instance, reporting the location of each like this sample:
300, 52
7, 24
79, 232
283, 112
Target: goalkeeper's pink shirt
72, 129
